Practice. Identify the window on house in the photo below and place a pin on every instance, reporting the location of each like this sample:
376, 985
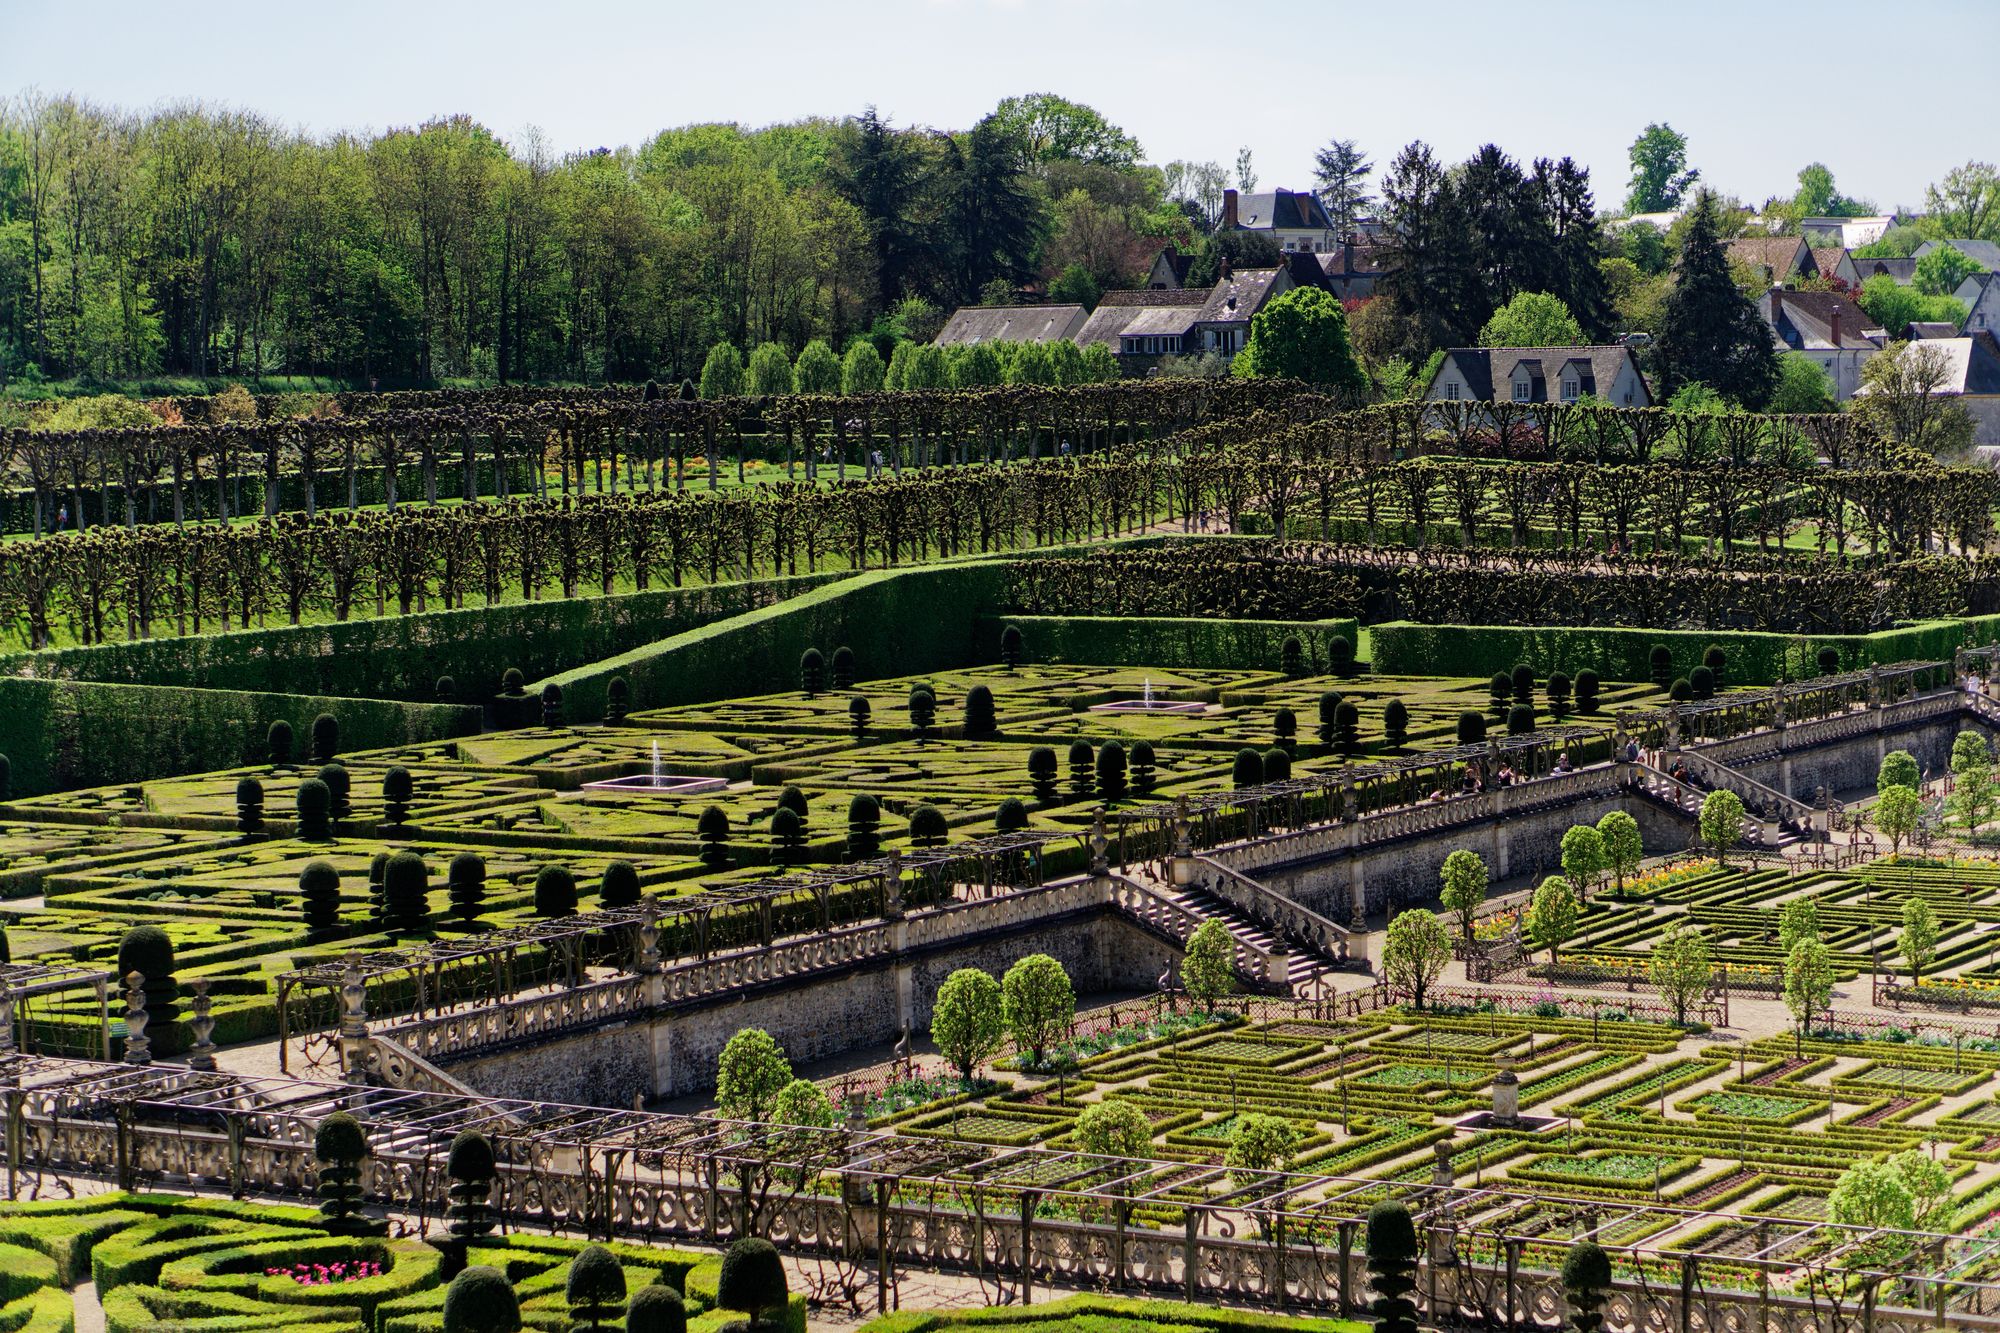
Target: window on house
1451, 390
1522, 390
1628, 398
1569, 391
1979, 321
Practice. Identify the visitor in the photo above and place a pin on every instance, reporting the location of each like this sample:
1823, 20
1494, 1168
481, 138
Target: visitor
1564, 765
1632, 751
62, 518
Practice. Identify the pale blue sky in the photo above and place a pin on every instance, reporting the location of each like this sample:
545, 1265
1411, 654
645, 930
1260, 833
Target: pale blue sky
1878, 90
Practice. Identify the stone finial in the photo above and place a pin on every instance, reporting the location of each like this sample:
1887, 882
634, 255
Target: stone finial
892, 885
353, 998
649, 936
1100, 856
138, 1050
201, 1022
1183, 832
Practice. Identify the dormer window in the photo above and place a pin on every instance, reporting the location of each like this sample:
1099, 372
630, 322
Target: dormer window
1569, 389
1524, 389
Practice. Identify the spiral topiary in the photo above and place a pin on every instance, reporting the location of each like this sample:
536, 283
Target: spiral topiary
656, 1308
315, 806
406, 884
1392, 1267
249, 806
472, 1169
340, 1146
337, 786
325, 738
594, 1290
753, 1279
555, 892
465, 885
858, 713
397, 789
319, 898
481, 1300
617, 700
279, 741
620, 887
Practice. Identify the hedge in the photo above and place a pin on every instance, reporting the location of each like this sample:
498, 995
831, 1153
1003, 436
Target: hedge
401, 657
1405, 648
897, 621
1114, 1311
1163, 641
62, 734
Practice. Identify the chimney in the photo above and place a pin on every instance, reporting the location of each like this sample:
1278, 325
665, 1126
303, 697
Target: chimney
1225, 268
1835, 322
1229, 210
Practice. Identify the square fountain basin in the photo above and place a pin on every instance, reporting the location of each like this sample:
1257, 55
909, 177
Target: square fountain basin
666, 784
1141, 706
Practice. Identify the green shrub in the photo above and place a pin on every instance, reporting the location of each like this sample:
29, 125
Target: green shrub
471, 1167
149, 951
1329, 716
1391, 1247
315, 810
319, 897
338, 790
620, 887
465, 885
656, 1308
1701, 683
1471, 728
713, 830
980, 715
249, 806
928, 826
1520, 719
1082, 770
325, 738
397, 789
753, 1279
1011, 816
843, 668
339, 1147
1395, 724
555, 891
864, 821
858, 710
1111, 771
1042, 774
1586, 691
481, 1300
1277, 765
406, 883
812, 672
617, 700
1248, 770
594, 1290
1010, 647
1145, 769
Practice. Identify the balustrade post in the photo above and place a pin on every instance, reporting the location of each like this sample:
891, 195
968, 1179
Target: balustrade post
236, 1130
1191, 1256
1686, 1323
1345, 1239
201, 1022
1100, 854
356, 1045
1513, 1296
138, 1050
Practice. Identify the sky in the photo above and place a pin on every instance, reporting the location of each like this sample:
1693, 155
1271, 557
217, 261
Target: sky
1760, 89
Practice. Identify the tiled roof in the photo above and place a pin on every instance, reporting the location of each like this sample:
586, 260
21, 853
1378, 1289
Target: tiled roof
1484, 367
1779, 254
1010, 324
1810, 317
1284, 209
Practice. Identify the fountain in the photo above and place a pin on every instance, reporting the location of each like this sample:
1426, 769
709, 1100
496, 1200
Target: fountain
658, 782
1146, 703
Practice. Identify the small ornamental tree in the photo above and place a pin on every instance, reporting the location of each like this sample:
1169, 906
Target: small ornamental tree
594, 1290
1558, 691
1972, 793
406, 893
923, 714
1586, 1279
620, 885
1415, 950
1898, 769
1898, 810
1208, 965
481, 1300
1111, 771
1464, 887
1329, 711
1248, 770
319, 898
858, 711
1114, 1129
864, 823
279, 741
1623, 847
325, 738
472, 1169
749, 1074
1259, 1143
1586, 692
1285, 729
981, 717
1680, 966
1520, 719
1292, 656
1681, 691
1721, 823
787, 835
656, 1308
249, 806
149, 951
968, 1020
1583, 858
1808, 981
1010, 816
1797, 920
812, 672
1396, 724
1340, 655
1500, 689
1010, 647
398, 787
1829, 661
315, 810
465, 885
1552, 914
1145, 770
1919, 940
1872, 1194
1661, 663
1082, 770
713, 829
339, 1148
1042, 774
753, 1281
1701, 683
1471, 728
1391, 1247
337, 786
1038, 1003
555, 892
843, 668
928, 826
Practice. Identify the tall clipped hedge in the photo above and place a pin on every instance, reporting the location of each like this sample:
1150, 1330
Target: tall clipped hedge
403, 657
1406, 648
1165, 641
897, 621
62, 734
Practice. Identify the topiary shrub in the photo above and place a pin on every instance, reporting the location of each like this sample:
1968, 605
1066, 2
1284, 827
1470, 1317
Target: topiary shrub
315, 808
1520, 719
713, 830
1010, 647
1277, 765
1011, 817
594, 1290
1111, 771
378, 868
788, 835
1661, 664
1329, 714
980, 715
1292, 656
278, 740
445, 690
1829, 661
858, 711
465, 885
1500, 689
6, 778
1285, 727
1347, 727
512, 683
406, 884
1340, 655
1145, 768
340, 1147
552, 705
864, 822
1248, 770
1042, 774
617, 700
249, 806
481, 1300
656, 1308
397, 789
1523, 681
1082, 770
1396, 723
1586, 1279
1471, 727
1715, 660
319, 898
1681, 691
555, 891
1701, 683
812, 672
1586, 691
843, 668
337, 787
928, 827
472, 1168
1558, 688
620, 887
325, 738
1391, 1247
923, 713
149, 951
753, 1279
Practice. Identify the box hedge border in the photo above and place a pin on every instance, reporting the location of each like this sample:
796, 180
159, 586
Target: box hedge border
1163, 641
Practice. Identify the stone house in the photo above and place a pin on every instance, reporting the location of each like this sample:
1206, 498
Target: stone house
1541, 375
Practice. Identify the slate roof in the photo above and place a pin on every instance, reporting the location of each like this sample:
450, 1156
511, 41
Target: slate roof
1779, 254
1802, 320
1972, 365
1240, 295
1281, 209
1009, 324
1904, 271
1928, 329
1166, 313
1983, 253
1484, 367
1827, 258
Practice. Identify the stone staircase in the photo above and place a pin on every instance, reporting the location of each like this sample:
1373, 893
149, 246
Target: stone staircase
1308, 971
1683, 799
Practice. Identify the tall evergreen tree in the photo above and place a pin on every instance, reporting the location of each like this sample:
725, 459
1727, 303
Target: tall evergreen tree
1569, 210
1427, 278
1341, 172
996, 220
1513, 249
881, 172
1710, 333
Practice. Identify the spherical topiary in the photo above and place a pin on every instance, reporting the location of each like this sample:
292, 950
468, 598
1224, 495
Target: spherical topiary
555, 892
1586, 1279
279, 741
481, 1300
552, 705
620, 887
1248, 770
471, 1167
1011, 817
617, 700
465, 884
319, 896
656, 1308
981, 718
928, 827
315, 805
338, 786
397, 789
249, 805
594, 1289
1701, 683
406, 883
1520, 719
753, 1278
1681, 691
843, 668
325, 738
513, 683
148, 951
1471, 728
